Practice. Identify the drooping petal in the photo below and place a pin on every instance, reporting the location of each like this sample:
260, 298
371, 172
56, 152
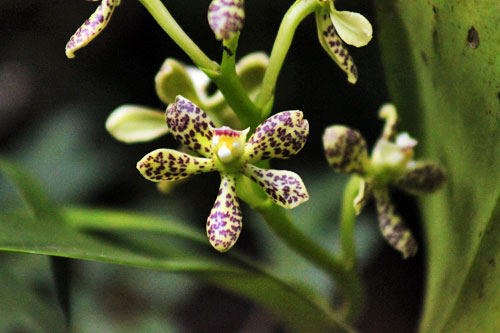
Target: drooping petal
353, 28
421, 177
168, 164
190, 126
280, 136
91, 27
133, 123
251, 69
173, 80
389, 114
226, 18
345, 149
392, 226
225, 220
363, 196
285, 188
333, 45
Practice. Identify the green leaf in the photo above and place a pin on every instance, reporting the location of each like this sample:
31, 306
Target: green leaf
21, 308
450, 87
131, 245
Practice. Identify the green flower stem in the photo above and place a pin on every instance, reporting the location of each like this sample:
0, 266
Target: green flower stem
296, 14
231, 87
347, 226
168, 23
346, 278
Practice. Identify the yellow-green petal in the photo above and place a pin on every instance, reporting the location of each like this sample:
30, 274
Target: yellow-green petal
91, 27
173, 80
168, 164
280, 136
285, 188
225, 220
134, 123
345, 149
389, 114
392, 226
353, 28
334, 47
363, 196
190, 126
421, 177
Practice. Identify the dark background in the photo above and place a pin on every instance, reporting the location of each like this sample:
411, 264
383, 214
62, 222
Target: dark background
52, 114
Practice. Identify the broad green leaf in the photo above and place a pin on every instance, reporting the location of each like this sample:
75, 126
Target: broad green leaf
130, 245
450, 87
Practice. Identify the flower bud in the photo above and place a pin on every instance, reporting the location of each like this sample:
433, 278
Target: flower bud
226, 18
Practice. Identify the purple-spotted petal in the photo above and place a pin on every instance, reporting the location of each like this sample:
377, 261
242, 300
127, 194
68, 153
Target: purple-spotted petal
345, 149
168, 164
190, 126
285, 188
91, 27
421, 177
280, 136
225, 220
392, 226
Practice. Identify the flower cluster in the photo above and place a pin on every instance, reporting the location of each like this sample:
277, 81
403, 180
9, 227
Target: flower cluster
227, 151
336, 26
391, 163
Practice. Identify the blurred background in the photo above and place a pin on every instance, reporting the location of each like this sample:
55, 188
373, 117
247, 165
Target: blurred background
52, 115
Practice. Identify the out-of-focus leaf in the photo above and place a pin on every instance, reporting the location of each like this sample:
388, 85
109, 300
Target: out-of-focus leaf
47, 235
443, 69
21, 309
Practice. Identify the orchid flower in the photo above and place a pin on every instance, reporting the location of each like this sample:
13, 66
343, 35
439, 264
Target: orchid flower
227, 151
338, 27
391, 163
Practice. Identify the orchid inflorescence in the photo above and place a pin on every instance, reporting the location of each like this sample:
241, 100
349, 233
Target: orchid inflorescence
391, 163
209, 142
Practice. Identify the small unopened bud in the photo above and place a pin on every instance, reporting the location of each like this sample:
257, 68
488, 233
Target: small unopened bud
422, 177
226, 18
345, 149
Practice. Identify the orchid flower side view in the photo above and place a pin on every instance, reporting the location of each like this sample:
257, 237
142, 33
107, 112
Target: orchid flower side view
217, 109
391, 163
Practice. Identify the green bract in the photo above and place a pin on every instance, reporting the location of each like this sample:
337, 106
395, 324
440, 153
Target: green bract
227, 151
391, 163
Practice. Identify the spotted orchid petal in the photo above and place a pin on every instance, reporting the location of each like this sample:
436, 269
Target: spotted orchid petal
363, 196
392, 226
421, 177
280, 136
91, 27
225, 220
285, 188
133, 123
190, 126
226, 18
333, 45
345, 149
167, 164
228, 144
353, 28
173, 80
